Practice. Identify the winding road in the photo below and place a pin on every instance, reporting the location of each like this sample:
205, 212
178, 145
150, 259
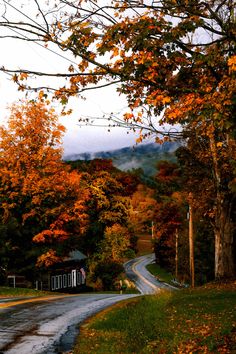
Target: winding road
49, 325
145, 282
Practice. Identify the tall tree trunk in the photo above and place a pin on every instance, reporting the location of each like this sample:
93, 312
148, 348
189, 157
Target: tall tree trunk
223, 226
191, 247
224, 231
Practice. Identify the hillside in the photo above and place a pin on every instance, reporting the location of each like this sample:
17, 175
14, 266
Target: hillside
143, 156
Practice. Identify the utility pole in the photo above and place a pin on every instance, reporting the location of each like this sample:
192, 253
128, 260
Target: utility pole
152, 230
176, 253
191, 243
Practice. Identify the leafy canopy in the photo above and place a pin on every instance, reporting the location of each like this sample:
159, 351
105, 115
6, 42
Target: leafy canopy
36, 188
176, 57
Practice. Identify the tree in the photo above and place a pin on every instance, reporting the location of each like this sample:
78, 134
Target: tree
37, 190
108, 239
167, 221
107, 204
174, 59
169, 217
177, 187
115, 243
106, 265
143, 209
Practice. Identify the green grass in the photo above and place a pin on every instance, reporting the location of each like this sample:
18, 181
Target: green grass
186, 321
9, 292
160, 273
15, 292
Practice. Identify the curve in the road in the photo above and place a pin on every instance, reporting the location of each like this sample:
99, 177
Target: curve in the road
37, 327
145, 282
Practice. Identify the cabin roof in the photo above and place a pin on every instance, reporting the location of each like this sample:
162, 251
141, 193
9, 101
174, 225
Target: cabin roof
74, 255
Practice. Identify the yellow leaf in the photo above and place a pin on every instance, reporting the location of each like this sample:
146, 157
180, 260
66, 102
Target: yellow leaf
41, 94
59, 26
166, 100
139, 140
71, 68
115, 51
15, 78
232, 63
23, 76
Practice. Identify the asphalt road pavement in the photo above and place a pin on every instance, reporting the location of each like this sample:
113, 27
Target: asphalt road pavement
39, 327
145, 282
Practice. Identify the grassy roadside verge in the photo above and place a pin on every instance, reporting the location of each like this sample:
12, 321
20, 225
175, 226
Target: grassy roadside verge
198, 321
159, 272
14, 292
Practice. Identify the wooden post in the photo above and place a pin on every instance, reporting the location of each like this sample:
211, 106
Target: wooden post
176, 253
191, 244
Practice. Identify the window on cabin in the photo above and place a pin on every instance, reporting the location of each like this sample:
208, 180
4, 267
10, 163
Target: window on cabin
64, 281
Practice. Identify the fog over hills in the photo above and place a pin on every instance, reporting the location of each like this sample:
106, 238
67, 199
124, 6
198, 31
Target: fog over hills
143, 156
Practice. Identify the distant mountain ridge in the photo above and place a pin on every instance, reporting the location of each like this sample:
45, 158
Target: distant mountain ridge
143, 156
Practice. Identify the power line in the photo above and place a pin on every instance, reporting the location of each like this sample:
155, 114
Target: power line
22, 13
39, 44
42, 46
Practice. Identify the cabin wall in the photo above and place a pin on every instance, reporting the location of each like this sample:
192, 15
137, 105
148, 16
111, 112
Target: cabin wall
67, 279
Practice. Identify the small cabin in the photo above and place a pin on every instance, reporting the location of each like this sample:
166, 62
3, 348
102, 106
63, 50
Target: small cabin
67, 276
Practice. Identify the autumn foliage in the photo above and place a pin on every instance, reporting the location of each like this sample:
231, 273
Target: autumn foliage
175, 62
36, 188
51, 206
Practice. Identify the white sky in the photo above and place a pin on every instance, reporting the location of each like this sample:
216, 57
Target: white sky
25, 55
77, 139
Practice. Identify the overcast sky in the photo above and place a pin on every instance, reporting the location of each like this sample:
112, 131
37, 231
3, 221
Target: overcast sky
77, 139
25, 55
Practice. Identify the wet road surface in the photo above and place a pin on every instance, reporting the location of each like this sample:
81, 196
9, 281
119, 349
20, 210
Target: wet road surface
50, 325
38, 327
145, 282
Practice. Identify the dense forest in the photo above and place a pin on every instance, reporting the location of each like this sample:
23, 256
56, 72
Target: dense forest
49, 206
